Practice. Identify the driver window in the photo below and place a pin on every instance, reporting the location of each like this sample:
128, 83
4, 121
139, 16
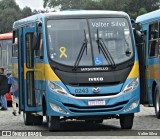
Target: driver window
39, 52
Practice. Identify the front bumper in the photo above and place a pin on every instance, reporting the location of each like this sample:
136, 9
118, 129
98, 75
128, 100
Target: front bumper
120, 104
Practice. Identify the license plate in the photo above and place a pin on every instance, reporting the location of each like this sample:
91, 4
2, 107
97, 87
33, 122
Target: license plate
96, 102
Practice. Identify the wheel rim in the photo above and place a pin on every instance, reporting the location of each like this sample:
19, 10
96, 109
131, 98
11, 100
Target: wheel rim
157, 102
24, 117
49, 121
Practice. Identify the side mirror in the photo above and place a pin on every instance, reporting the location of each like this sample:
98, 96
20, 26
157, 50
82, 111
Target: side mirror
138, 37
138, 26
36, 41
133, 23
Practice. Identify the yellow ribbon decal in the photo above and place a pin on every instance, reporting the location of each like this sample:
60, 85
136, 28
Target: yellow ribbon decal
63, 52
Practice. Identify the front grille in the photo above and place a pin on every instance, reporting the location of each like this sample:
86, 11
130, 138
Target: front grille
84, 111
90, 109
94, 84
95, 95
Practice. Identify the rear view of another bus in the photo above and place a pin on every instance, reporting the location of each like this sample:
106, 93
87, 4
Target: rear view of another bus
5, 55
149, 59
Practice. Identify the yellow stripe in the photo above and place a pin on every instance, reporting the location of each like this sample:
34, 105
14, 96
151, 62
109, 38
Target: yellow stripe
153, 72
135, 70
15, 70
50, 74
45, 72
42, 72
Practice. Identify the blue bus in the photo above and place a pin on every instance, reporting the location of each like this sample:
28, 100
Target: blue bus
76, 65
149, 60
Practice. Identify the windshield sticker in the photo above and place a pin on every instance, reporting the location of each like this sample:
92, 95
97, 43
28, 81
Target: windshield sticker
105, 24
50, 41
98, 60
49, 26
63, 52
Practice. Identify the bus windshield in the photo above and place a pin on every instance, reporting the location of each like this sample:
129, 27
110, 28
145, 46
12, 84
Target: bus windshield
93, 41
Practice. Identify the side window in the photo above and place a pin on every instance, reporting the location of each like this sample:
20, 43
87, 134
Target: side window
0, 54
153, 39
29, 50
15, 44
159, 41
39, 52
4, 57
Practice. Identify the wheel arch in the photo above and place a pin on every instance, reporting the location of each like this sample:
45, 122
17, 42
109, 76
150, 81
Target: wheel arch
153, 91
44, 105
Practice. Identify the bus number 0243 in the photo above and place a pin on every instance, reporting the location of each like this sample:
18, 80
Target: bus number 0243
83, 90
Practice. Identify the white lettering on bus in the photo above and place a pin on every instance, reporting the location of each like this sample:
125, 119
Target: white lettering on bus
99, 24
116, 24
95, 69
104, 24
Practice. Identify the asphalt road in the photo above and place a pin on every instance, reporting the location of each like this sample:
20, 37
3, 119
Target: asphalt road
145, 124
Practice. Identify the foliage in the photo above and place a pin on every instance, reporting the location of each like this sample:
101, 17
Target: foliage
132, 7
26, 11
10, 12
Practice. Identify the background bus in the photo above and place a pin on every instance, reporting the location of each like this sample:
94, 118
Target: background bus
6, 55
149, 57
76, 65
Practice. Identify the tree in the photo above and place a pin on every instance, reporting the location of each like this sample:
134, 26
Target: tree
8, 16
133, 8
72, 4
4, 4
91, 5
26, 12
9, 12
65, 4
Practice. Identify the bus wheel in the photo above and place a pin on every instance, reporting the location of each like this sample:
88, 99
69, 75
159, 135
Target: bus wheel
157, 102
126, 121
99, 121
38, 120
28, 118
53, 123
94, 121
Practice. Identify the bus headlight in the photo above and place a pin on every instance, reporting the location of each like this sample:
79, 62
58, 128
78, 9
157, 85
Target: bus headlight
56, 88
132, 106
57, 108
131, 85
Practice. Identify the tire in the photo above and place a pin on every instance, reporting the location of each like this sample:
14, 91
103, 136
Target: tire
126, 121
157, 102
38, 120
89, 121
53, 123
28, 118
98, 121
94, 121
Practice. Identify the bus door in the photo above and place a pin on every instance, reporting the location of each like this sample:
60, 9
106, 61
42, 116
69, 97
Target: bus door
142, 51
30, 72
18, 39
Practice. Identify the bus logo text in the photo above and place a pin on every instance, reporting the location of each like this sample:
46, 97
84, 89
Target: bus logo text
95, 69
95, 79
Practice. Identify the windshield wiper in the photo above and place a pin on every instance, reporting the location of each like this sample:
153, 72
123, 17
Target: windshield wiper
102, 47
79, 57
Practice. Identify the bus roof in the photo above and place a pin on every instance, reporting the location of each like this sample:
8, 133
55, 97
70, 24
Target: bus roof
70, 14
6, 36
149, 17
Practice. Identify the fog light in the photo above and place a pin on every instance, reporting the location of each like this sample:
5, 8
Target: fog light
132, 106
57, 108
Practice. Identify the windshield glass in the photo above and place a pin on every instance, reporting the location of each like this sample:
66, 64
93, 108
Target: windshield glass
67, 37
